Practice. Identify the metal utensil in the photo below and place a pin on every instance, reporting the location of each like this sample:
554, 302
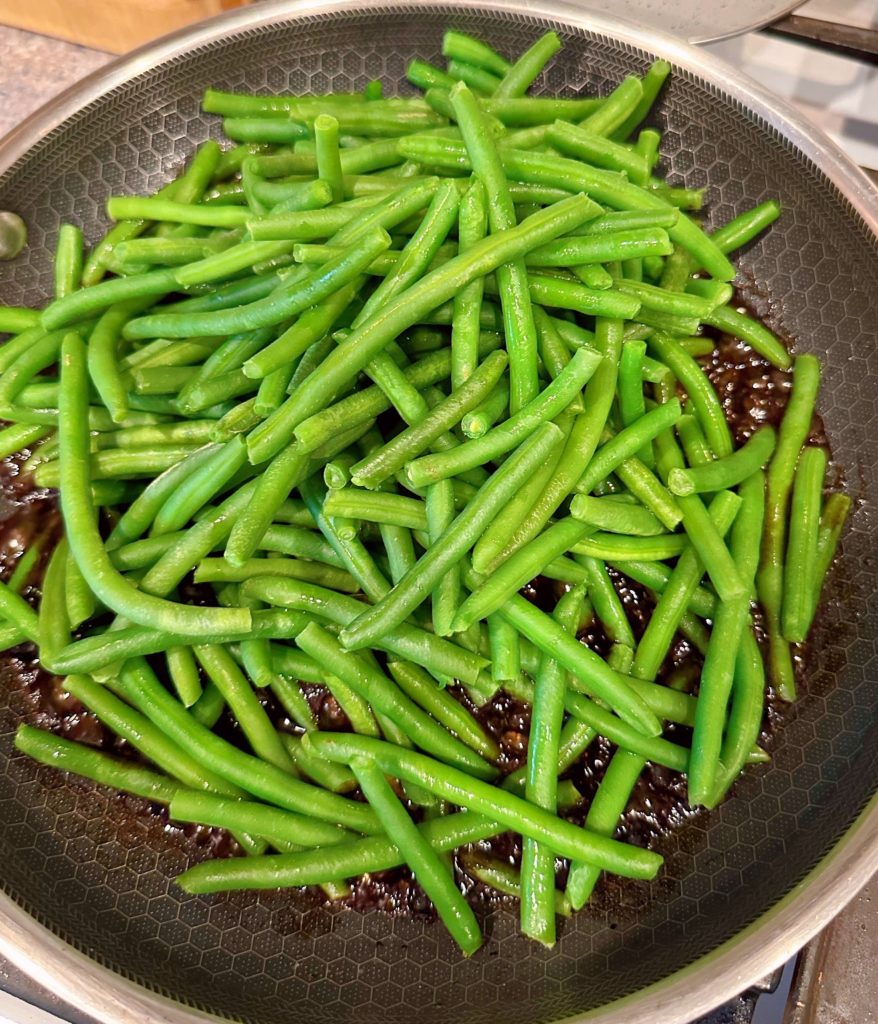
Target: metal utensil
88, 872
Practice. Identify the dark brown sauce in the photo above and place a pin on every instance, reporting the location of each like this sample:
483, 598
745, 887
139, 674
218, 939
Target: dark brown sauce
752, 393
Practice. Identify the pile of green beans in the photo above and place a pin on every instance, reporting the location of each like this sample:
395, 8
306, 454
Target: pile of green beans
361, 378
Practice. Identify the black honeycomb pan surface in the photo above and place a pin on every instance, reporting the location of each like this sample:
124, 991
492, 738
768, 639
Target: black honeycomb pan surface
99, 872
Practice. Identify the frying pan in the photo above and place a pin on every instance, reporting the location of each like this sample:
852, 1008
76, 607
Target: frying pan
89, 906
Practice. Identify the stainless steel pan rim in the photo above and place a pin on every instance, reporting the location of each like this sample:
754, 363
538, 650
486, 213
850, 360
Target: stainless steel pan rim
777, 934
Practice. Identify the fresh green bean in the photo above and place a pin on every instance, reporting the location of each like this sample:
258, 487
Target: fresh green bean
794, 429
541, 786
92, 764
702, 396
431, 873
753, 333
386, 461
68, 260
651, 84
523, 565
457, 539
184, 675
404, 310
520, 330
726, 472
746, 226
139, 685
472, 226
287, 301
522, 74
384, 697
800, 570
545, 406
453, 785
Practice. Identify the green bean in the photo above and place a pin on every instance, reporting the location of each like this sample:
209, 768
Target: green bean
607, 806
245, 706
794, 430
370, 402
139, 515
602, 186
145, 737
615, 516
656, 576
389, 459
746, 226
351, 503
482, 82
218, 570
651, 84
275, 786
800, 571
576, 250
726, 472
183, 672
630, 386
256, 819
616, 108
472, 226
545, 406
53, 624
269, 130
91, 764
583, 439
453, 785
334, 777
19, 436
753, 333
694, 442
17, 319
68, 260
595, 149
288, 300
459, 46
417, 684
505, 649
702, 396
38, 356
628, 441
155, 208
407, 642
836, 509
308, 328
301, 543
745, 716
429, 870
497, 875
541, 787
328, 161
483, 416
401, 312
17, 611
677, 594
81, 304
520, 330
81, 604
521, 566
385, 698
350, 549
350, 859
26, 563
200, 486
606, 602
425, 76
456, 540
521, 75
